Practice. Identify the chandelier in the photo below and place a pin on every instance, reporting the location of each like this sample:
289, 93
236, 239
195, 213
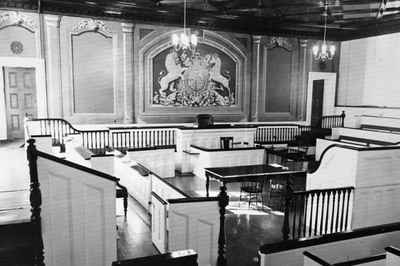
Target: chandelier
184, 40
324, 52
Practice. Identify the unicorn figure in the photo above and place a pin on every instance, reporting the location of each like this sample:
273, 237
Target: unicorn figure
215, 70
174, 71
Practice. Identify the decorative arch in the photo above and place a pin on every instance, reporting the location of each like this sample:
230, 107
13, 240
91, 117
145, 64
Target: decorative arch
91, 25
15, 18
225, 47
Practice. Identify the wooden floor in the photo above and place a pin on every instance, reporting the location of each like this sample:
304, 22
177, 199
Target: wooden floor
246, 228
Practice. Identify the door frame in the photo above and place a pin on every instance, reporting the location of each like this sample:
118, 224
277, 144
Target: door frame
328, 105
41, 94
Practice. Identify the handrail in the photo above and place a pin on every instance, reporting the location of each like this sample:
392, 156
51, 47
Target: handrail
286, 245
313, 212
311, 191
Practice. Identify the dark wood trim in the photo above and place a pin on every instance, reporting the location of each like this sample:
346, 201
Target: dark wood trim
316, 259
350, 148
376, 116
324, 239
145, 127
163, 202
190, 153
40, 136
189, 200
165, 180
77, 166
365, 141
380, 128
366, 106
142, 170
166, 147
393, 250
231, 149
361, 261
220, 126
178, 258
101, 155
320, 190
35, 199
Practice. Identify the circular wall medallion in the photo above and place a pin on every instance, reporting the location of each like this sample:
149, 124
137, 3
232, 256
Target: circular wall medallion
17, 47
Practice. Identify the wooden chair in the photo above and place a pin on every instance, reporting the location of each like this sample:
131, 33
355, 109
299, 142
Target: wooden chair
122, 192
276, 195
226, 143
253, 191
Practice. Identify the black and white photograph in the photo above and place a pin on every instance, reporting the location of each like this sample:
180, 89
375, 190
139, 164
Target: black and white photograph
199, 132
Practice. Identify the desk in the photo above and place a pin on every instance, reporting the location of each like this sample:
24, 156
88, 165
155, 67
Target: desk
252, 172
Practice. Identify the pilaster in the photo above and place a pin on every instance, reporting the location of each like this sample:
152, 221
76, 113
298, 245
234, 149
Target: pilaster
127, 43
256, 76
53, 65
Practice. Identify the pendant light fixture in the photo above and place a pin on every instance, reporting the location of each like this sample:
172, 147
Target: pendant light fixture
184, 40
323, 51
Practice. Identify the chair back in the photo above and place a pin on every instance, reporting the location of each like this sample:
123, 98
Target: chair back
226, 143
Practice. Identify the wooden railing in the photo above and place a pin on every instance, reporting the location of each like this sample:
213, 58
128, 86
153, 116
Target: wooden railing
316, 212
279, 133
143, 137
331, 121
99, 141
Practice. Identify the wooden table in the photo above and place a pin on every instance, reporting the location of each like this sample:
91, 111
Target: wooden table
252, 172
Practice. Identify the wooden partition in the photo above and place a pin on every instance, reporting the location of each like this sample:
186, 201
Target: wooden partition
78, 213
182, 222
334, 248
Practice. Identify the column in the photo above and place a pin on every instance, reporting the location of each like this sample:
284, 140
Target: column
256, 76
127, 43
53, 65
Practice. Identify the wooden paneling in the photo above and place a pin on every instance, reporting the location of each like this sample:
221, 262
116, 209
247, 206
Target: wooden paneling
196, 226
284, 63
78, 216
19, 34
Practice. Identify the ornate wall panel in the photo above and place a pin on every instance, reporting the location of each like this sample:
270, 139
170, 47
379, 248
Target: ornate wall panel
174, 86
282, 75
18, 34
91, 70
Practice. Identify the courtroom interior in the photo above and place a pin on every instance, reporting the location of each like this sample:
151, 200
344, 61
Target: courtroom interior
199, 132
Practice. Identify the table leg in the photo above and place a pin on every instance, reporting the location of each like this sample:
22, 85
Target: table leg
223, 201
207, 184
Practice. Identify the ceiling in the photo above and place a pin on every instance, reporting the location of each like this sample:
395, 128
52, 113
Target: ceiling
347, 19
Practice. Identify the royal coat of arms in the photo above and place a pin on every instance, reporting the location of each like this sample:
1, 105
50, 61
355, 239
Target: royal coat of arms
195, 80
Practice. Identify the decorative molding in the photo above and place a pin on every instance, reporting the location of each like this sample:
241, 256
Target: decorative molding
303, 43
15, 18
91, 25
127, 27
144, 32
52, 20
274, 42
256, 39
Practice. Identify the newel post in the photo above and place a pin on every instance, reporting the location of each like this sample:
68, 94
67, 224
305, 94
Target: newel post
222, 203
343, 115
288, 199
36, 202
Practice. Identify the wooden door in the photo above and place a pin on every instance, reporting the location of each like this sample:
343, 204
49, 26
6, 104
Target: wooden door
317, 103
20, 93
